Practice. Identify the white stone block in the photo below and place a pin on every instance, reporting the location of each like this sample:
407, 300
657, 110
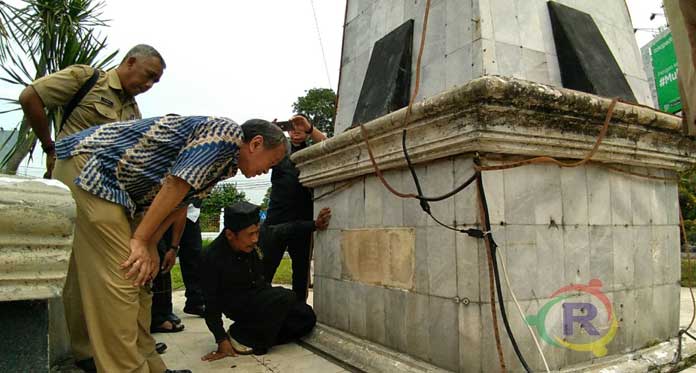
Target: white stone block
494, 187
373, 202
599, 193
641, 89
460, 25
444, 343
574, 195
458, 66
529, 15
506, 27
393, 206
470, 330
440, 180
644, 246
624, 266
414, 216
520, 248
550, 260
432, 79
422, 275
533, 195
482, 14
395, 14
489, 63
466, 208
602, 255
357, 308
576, 242
641, 194
621, 212
442, 266
535, 67
467, 260
418, 331
509, 60
554, 70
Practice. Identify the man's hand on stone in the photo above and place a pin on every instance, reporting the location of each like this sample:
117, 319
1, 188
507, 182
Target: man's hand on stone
224, 350
169, 260
323, 219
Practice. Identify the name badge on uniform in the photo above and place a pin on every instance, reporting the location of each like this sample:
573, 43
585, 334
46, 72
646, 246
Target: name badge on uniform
106, 101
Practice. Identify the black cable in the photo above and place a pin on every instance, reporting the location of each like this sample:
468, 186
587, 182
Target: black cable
494, 247
485, 234
420, 195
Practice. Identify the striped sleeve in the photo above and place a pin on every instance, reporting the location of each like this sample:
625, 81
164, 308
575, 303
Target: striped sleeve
212, 148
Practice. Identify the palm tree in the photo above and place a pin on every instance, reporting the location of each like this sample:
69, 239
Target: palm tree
48, 35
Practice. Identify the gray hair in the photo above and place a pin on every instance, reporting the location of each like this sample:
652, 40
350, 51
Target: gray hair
272, 134
144, 50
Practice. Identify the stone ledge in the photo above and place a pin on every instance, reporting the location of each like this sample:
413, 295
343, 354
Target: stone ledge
501, 115
362, 354
36, 229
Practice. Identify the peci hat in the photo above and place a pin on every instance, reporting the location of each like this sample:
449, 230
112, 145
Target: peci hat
241, 215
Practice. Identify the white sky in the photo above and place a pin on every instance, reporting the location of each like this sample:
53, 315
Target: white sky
242, 59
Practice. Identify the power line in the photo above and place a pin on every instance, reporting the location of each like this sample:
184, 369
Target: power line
321, 45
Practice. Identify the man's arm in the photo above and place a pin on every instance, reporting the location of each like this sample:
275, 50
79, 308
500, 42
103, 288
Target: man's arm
33, 109
286, 231
139, 262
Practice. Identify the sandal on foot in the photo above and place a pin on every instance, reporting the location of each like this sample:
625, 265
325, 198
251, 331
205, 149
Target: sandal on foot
163, 329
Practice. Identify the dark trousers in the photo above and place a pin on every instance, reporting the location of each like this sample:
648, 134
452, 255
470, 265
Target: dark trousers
298, 247
161, 292
189, 261
271, 317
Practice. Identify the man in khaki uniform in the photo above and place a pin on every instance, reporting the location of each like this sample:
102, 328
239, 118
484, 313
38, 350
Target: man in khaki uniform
111, 99
682, 23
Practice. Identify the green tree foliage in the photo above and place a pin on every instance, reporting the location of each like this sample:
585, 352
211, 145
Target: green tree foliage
319, 106
222, 195
266, 199
687, 203
41, 37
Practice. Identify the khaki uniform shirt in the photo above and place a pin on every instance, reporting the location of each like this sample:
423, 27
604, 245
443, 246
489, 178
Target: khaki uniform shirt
106, 102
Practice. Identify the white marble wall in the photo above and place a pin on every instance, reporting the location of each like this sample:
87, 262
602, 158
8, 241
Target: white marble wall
467, 39
555, 227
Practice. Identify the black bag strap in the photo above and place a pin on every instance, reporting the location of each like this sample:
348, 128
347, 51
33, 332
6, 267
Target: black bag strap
79, 95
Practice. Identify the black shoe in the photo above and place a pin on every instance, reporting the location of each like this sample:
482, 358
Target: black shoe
198, 310
178, 371
260, 351
160, 347
87, 365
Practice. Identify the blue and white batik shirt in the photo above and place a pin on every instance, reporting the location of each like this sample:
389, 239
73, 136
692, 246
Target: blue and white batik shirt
130, 160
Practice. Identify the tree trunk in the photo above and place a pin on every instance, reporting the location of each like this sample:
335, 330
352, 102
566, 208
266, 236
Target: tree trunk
20, 150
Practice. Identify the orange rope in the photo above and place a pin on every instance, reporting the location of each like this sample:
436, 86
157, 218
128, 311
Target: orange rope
581, 162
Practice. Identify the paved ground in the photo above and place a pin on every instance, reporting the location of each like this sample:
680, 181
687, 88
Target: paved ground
187, 347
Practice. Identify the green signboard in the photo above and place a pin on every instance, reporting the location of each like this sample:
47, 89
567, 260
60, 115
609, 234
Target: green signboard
664, 63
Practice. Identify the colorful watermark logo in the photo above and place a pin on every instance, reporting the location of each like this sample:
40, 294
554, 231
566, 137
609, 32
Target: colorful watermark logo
582, 313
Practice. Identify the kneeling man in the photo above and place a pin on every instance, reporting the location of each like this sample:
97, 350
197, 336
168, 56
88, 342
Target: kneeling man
233, 284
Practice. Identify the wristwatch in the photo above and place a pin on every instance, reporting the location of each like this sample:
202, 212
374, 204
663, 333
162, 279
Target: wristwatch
49, 148
175, 248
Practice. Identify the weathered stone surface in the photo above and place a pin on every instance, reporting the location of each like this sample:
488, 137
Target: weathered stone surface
379, 256
36, 228
504, 116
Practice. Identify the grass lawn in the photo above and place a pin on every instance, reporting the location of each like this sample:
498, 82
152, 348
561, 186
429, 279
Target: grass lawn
686, 280
282, 276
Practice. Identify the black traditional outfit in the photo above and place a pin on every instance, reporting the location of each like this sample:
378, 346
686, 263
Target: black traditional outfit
234, 285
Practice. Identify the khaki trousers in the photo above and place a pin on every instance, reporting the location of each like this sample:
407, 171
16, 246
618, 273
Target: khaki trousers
108, 318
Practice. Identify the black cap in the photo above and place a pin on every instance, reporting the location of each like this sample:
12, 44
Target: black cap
241, 215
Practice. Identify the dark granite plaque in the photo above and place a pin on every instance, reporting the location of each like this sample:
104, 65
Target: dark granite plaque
388, 78
586, 61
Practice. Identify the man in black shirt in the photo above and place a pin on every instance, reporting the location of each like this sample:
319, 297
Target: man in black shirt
290, 201
234, 285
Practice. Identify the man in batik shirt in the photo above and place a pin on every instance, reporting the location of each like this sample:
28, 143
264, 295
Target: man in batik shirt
130, 181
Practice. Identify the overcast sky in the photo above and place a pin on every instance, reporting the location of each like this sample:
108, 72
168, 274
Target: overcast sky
244, 59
